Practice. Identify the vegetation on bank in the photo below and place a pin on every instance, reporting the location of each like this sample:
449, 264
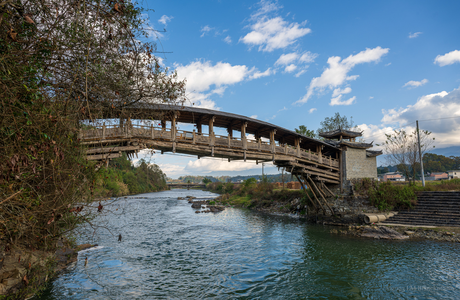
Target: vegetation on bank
383, 195
122, 178
251, 194
62, 64
395, 196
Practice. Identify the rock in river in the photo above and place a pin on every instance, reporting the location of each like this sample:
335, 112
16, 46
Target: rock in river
382, 232
196, 205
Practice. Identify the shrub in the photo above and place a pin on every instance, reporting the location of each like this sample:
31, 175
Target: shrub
387, 196
229, 187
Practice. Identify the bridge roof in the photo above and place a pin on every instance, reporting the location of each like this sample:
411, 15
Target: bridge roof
193, 115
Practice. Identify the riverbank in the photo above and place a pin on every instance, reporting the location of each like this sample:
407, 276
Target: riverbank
446, 234
24, 273
350, 211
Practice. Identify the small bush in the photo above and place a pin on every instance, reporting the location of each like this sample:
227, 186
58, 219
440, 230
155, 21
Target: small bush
229, 187
387, 196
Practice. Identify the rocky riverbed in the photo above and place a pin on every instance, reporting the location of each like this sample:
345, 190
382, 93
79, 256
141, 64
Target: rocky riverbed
203, 206
400, 232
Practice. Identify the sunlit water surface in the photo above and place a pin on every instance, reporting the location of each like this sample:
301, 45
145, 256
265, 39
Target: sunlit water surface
169, 252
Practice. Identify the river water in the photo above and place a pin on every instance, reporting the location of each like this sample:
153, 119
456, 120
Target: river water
169, 252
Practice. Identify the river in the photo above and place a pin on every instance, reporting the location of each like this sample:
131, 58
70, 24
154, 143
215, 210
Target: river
169, 252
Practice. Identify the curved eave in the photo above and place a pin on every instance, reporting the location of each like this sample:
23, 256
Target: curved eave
340, 132
355, 145
372, 153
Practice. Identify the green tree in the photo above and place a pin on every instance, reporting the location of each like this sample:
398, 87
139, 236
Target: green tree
336, 122
307, 132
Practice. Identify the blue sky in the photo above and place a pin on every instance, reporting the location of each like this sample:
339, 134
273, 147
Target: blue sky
291, 63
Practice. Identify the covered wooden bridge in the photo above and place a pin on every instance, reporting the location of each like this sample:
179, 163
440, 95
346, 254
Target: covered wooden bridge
312, 160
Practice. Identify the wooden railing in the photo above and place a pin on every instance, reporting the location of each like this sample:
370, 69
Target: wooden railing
105, 132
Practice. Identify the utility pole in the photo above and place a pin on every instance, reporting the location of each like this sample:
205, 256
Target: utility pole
420, 156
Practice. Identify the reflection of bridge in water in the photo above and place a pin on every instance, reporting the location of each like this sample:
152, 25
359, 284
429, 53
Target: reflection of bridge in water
314, 162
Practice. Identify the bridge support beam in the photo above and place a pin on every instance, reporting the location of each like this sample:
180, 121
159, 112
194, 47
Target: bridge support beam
272, 139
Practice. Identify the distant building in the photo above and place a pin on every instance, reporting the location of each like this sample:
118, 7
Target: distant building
437, 176
393, 176
453, 174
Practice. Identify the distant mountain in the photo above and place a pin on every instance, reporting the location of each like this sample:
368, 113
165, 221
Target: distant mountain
448, 151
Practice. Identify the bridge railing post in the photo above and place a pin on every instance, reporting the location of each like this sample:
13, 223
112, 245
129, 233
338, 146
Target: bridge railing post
103, 131
194, 137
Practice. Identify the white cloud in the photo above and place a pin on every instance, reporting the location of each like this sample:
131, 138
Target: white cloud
202, 74
289, 59
312, 110
338, 101
388, 64
213, 165
290, 68
439, 108
305, 57
253, 116
413, 84
228, 39
206, 29
272, 32
165, 19
414, 35
300, 72
172, 170
286, 59
438, 113
448, 58
203, 79
308, 57
371, 97
283, 109
337, 72
338, 91
375, 133
257, 74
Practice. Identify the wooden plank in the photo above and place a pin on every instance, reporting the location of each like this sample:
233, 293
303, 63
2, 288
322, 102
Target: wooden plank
103, 156
306, 192
329, 191
112, 149
313, 183
314, 195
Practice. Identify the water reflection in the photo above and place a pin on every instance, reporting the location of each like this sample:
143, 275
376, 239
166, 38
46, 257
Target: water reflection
169, 252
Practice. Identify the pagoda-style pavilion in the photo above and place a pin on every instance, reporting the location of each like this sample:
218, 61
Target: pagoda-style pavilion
357, 160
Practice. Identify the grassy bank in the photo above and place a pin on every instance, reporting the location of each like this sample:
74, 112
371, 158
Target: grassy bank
395, 196
261, 196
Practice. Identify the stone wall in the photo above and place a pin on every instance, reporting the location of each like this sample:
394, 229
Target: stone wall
358, 165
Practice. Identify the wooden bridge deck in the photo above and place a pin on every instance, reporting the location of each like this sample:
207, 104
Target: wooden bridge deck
300, 155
